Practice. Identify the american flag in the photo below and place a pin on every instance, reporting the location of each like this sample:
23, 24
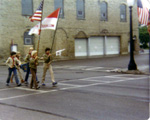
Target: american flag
50, 22
143, 13
37, 16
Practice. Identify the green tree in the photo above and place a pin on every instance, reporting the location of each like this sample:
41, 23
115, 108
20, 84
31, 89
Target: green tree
144, 36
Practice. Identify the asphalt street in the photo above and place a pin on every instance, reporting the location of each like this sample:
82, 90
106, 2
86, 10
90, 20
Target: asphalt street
86, 90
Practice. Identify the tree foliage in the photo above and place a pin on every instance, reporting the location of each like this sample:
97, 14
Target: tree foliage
144, 37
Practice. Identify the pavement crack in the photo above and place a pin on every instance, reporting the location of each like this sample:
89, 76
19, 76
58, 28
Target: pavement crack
40, 111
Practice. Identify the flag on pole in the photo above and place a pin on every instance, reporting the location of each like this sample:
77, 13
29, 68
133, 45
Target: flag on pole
143, 11
50, 22
37, 16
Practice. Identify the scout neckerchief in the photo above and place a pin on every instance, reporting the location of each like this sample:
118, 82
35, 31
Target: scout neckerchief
13, 60
17, 57
47, 53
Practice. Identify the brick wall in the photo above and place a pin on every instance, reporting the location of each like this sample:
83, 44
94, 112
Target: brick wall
13, 25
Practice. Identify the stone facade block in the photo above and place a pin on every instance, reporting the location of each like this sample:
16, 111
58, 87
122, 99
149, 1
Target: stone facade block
13, 25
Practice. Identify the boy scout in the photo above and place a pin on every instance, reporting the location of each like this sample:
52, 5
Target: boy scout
12, 62
18, 69
33, 68
27, 59
47, 65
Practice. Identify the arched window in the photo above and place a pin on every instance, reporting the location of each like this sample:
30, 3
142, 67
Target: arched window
80, 9
123, 13
28, 39
60, 4
104, 13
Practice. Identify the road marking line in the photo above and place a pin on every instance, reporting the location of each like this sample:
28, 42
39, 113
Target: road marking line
124, 75
68, 84
59, 67
84, 80
112, 82
88, 79
6, 89
94, 80
29, 89
77, 67
82, 86
86, 67
19, 96
93, 68
113, 76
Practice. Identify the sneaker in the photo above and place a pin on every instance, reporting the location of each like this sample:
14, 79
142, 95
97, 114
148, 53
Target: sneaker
43, 84
38, 87
32, 87
7, 84
37, 82
54, 83
19, 85
26, 82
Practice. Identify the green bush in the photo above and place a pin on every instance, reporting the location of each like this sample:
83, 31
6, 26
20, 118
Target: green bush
144, 37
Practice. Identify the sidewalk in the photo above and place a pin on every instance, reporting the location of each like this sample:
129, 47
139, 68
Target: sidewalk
145, 51
140, 70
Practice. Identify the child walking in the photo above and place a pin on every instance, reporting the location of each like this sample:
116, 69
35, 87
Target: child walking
33, 68
27, 59
47, 65
18, 69
12, 62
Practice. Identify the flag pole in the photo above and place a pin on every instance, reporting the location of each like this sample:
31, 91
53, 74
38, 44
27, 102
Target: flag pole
38, 45
54, 34
149, 78
149, 38
149, 64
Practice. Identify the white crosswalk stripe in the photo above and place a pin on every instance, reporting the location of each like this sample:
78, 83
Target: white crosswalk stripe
84, 68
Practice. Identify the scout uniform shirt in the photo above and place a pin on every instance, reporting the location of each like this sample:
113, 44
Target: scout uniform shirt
27, 58
12, 62
33, 63
46, 58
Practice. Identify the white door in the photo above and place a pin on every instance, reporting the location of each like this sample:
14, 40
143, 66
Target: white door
96, 46
112, 45
81, 47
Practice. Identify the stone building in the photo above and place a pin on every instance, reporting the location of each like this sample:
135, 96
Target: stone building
86, 28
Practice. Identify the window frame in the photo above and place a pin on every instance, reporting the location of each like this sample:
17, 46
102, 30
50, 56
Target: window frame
78, 9
26, 36
27, 9
59, 4
123, 11
106, 11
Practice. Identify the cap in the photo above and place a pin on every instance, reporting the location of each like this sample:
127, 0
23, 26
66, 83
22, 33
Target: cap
33, 52
31, 48
13, 53
18, 52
